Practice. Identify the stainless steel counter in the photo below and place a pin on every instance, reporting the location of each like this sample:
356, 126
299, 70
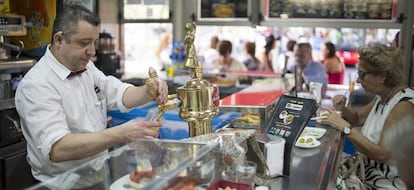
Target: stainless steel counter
310, 168
314, 168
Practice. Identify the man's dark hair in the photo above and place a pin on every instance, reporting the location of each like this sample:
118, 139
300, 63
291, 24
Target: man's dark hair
68, 17
225, 47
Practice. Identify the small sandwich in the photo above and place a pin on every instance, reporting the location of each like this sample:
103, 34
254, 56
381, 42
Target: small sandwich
139, 177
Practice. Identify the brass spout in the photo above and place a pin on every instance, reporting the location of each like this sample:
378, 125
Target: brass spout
172, 102
151, 84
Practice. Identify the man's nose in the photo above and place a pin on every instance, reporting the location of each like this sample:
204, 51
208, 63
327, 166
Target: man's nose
90, 50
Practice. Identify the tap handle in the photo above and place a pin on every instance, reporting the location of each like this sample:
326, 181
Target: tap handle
151, 84
152, 73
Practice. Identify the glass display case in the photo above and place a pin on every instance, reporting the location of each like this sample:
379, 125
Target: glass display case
219, 9
145, 164
339, 9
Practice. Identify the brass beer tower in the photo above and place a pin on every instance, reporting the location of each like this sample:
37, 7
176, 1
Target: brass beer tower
197, 99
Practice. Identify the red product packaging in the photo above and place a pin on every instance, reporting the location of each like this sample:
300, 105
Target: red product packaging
231, 184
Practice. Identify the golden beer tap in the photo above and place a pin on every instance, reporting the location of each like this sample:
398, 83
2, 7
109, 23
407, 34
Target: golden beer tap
197, 99
152, 87
197, 96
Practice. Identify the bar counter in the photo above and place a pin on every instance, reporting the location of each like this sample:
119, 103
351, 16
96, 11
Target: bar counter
310, 168
314, 168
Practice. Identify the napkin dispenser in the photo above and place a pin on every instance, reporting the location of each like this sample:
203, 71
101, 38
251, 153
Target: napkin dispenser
273, 148
274, 151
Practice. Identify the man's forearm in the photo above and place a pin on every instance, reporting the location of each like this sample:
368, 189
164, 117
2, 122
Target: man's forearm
79, 146
136, 96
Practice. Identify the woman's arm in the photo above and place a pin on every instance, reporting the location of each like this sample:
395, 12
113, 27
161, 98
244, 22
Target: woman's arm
378, 152
355, 116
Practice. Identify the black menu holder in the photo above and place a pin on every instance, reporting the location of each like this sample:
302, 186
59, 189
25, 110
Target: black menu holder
287, 120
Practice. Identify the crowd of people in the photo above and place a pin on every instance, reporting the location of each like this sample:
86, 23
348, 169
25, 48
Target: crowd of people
285, 62
64, 84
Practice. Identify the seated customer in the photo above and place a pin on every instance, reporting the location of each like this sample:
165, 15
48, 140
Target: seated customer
399, 142
333, 65
312, 71
226, 62
379, 72
211, 54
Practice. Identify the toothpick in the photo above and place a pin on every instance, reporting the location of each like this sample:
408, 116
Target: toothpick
319, 117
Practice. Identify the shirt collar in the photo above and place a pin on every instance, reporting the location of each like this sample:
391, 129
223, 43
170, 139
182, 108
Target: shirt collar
61, 71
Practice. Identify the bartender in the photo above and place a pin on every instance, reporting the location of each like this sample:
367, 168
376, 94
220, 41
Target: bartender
62, 101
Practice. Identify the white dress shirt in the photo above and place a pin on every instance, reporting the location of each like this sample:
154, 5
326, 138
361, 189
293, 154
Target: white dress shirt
50, 106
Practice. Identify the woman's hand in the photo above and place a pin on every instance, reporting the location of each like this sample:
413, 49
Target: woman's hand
339, 102
335, 120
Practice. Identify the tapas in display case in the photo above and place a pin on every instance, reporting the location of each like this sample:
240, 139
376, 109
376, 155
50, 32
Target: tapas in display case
332, 9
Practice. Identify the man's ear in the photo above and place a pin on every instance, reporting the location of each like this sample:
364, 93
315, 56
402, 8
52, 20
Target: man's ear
58, 37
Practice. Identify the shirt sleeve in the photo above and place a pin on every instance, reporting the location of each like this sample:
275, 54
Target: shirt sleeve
316, 73
112, 88
39, 107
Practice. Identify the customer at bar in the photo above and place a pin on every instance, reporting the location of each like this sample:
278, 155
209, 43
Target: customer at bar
164, 51
251, 61
379, 72
399, 141
63, 99
211, 54
312, 71
335, 68
226, 63
286, 61
267, 56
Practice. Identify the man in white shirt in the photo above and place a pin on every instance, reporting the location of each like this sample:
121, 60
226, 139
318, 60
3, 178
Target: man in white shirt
62, 101
211, 54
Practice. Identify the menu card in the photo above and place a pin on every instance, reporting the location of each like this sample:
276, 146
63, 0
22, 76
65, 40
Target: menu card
287, 120
338, 9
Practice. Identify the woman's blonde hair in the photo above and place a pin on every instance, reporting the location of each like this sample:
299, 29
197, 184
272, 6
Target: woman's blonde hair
164, 43
381, 59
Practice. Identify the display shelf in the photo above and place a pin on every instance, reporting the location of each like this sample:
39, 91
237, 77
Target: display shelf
7, 104
16, 65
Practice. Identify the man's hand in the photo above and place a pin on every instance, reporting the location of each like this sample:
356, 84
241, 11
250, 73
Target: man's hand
162, 90
138, 129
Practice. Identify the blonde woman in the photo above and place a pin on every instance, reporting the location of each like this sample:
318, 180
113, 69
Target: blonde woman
379, 72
